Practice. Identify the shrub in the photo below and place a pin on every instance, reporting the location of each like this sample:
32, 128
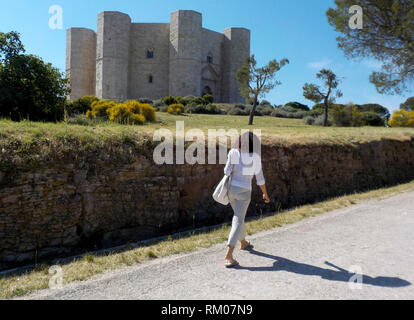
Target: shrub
126, 113
81, 105
288, 112
376, 108
309, 120
99, 108
256, 113
169, 100
196, 101
372, 119
297, 106
202, 109
208, 99
265, 103
146, 101
187, 100
142, 108
319, 121
176, 109
346, 116
402, 118
267, 110
181, 100
237, 112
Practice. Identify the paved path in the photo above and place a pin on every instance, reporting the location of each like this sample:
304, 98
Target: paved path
312, 259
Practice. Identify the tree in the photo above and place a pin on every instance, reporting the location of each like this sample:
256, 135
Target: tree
29, 88
255, 82
408, 105
402, 118
10, 45
297, 105
375, 107
387, 35
328, 95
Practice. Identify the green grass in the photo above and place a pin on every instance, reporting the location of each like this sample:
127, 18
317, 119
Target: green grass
83, 268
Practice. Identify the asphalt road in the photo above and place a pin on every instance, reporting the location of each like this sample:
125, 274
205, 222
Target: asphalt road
312, 259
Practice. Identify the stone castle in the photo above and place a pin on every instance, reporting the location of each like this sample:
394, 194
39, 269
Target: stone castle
125, 60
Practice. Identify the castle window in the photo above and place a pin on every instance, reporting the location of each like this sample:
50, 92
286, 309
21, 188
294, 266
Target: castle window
150, 78
150, 54
210, 58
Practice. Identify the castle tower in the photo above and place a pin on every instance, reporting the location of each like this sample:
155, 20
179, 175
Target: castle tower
81, 61
112, 58
185, 53
236, 49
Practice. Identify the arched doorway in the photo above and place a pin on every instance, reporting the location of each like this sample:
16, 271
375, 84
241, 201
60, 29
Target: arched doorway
207, 90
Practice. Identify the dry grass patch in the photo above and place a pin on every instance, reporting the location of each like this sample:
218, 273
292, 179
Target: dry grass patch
90, 264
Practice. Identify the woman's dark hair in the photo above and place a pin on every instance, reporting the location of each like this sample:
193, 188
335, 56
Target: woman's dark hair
253, 140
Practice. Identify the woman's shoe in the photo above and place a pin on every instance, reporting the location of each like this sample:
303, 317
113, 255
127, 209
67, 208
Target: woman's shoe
247, 247
231, 264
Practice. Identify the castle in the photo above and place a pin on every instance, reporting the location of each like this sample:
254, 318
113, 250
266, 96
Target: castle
125, 60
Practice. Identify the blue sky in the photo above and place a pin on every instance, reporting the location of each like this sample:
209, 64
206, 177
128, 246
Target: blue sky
295, 29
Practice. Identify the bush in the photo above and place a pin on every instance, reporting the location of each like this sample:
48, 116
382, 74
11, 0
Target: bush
346, 116
372, 119
142, 108
180, 100
169, 100
208, 99
320, 120
186, 100
202, 109
297, 106
256, 113
309, 120
265, 103
402, 118
235, 111
197, 101
289, 113
146, 101
267, 110
376, 108
81, 105
126, 113
100, 109
176, 109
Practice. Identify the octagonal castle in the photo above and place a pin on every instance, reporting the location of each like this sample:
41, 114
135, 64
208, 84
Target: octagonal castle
125, 60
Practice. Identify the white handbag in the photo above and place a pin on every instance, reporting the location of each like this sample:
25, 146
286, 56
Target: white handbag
221, 193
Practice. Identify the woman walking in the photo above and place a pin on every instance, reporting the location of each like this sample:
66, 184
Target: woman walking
242, 164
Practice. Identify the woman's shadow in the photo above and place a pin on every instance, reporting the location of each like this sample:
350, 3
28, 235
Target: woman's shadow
282, 264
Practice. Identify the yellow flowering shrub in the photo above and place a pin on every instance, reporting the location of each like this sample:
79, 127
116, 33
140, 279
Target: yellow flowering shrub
125, 114
176, 109
130, 112
402, 118
142, 108
100, 108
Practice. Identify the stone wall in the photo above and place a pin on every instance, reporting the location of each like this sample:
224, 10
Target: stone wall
102, 199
